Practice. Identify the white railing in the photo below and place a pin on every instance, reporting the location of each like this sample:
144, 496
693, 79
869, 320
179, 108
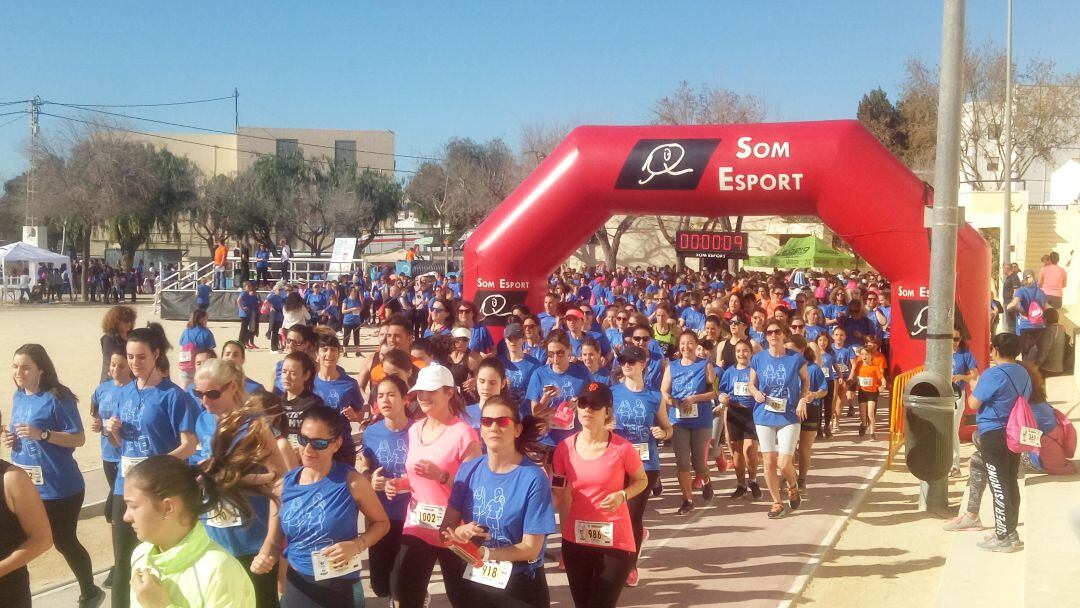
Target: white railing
304, 268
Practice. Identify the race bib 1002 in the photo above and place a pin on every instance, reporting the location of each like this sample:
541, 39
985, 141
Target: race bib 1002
427, 516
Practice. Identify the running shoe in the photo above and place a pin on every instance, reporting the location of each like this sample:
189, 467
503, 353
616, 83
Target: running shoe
793, 498
966, 521
722, 464
755, 490
850, 411
686, 508
828, 431
92, 601
698, 483
801, 484
707, 492
777, 511
632, 578
740, 491
955, 472
862, 430
820, 434
1009, 544
108, 580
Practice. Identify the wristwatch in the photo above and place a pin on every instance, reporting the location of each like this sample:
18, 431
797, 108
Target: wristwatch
45, 435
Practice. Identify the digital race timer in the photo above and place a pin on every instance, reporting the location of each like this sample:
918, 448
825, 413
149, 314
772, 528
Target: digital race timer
712, 244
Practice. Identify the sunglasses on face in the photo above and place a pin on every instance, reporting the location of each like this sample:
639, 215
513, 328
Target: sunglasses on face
438, 310
596, 407
500, 421
462, 311
773, 332
556, 353
215, 394
620, 318
640, 338
295, 342
318, 444
797, 325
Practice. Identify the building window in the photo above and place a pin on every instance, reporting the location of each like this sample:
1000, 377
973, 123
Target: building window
345, 152
993, 131
287, 147
992, 164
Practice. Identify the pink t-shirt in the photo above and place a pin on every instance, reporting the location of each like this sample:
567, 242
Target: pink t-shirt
1052, 279
590, 481
427, 504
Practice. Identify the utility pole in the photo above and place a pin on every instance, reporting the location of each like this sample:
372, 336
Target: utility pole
35, 105
933, 495
236, 111
1006, 218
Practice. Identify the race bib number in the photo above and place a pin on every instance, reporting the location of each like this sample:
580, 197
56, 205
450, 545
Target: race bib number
126, 462
185, 356
323, 569
225, 517
563, 419
595, 533
775, 404
741, 389
1030, 437
865, 381
686, 410
34, 472
492, 573
427, 516
642, 450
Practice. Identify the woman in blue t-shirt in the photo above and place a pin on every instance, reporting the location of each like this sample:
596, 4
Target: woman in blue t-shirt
844, 393
337, 389
352, 310
104, 404
321, 502
385, 444
502, 502
688, 388
965, 370
490, 381
196, 336
826, 359
247, 308
734, 389
553, 387
642, 420
809, 427
45, 429
219, 385
592, 358
994, 397
780, 385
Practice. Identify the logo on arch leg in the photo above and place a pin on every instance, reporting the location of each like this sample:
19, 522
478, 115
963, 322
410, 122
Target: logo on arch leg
496, 306
666, 164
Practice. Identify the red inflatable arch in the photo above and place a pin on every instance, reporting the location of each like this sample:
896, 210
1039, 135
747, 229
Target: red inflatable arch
836, 170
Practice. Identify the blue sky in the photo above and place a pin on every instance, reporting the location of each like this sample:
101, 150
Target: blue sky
434, 70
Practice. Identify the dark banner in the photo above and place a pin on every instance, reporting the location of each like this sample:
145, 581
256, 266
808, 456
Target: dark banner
177, 305
496, 306
666, 164
916, 318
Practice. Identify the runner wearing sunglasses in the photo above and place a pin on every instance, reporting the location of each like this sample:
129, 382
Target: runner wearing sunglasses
490, 381
320, 503
596, 473
503, 502
640, 419
688, 390
553, 386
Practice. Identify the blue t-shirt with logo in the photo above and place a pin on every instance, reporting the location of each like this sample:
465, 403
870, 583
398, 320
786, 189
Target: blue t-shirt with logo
842, 361
575, 343
818, 382
152, 420
106, 400
59, 473
387, 448
998, 389
1028, 295
654, 371
828, 365
317, 515
635, 415
200, 336
202, 294
778, 377
341, 393
736, 384
570, 384
963, 362
687, 380
518, 374
509, 505
351, 318
693, 319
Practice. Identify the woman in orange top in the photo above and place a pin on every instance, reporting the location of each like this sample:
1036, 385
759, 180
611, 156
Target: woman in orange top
869, 372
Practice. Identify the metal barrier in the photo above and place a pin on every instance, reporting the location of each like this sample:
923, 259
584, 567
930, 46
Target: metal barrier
896, 413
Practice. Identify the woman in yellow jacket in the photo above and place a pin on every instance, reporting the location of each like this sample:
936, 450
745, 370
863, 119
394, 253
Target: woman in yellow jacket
177, 564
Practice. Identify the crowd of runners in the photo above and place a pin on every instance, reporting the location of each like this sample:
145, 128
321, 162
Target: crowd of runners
455, 448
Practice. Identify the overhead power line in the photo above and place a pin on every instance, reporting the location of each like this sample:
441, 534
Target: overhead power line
218, 131
15, 112
141, 105
12, 120
200, 143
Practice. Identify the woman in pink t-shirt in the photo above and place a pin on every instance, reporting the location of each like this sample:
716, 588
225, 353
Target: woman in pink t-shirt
591, 468
438, 444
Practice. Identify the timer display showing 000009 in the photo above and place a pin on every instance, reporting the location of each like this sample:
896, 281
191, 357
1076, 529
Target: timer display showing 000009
729, 244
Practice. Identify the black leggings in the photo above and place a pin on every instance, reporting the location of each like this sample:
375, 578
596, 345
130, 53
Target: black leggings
826, 409
412, 573
522, 591
596, 574
111, 469
249, 327
381, 557
636, 505
124, 542
63, 514
350, 330
1002, 469
303, 591
266, 595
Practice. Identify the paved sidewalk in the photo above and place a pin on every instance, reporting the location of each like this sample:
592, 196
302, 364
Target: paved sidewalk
726, 553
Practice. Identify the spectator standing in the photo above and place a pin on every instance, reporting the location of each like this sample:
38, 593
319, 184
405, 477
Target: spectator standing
221, 253
1052, 280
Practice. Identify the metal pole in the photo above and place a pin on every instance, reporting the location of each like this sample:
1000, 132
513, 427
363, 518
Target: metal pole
933, 495
236, 111
1006, 218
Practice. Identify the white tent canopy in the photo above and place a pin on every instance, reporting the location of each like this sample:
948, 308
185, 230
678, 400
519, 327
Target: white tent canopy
23, 252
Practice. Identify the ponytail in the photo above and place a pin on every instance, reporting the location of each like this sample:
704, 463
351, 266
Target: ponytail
153, 335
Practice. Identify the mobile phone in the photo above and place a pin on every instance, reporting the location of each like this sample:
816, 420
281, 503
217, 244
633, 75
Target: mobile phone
94, 413
558, 481
550, 386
